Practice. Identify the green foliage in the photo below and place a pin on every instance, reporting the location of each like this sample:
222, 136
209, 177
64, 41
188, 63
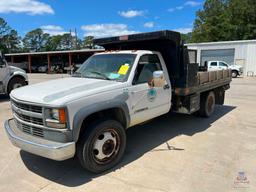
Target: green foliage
63, 42
186, 38
9, 39
36, 40
225, 20
88, 42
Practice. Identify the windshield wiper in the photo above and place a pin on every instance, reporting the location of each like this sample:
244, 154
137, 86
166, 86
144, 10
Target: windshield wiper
101, 74
77, 74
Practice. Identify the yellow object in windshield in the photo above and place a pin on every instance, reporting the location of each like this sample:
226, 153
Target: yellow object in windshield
123, 69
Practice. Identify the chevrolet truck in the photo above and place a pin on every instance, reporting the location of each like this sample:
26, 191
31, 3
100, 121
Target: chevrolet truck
236, 70
11, 77
138, 77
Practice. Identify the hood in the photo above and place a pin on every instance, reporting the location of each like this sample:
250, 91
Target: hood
13, 69
236, 66
61, 91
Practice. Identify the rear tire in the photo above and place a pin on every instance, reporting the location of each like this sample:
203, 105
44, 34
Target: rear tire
207, 104
15, 83
101, 146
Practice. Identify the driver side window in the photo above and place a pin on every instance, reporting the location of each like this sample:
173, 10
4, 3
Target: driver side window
146, 67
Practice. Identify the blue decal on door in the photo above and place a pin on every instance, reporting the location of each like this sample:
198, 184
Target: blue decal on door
152, 94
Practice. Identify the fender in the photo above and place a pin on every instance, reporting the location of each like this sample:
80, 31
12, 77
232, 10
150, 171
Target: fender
97, 107
15, 73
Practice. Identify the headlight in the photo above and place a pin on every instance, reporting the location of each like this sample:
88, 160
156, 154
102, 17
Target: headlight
56, 118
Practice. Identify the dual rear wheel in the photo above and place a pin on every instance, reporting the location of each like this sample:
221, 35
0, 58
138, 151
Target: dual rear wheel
207, 104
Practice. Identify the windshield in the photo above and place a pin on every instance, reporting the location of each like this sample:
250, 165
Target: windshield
107, 66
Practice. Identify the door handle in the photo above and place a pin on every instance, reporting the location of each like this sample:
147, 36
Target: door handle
166, 86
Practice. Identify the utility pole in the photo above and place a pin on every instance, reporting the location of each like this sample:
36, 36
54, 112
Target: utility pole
70, 40
76, 39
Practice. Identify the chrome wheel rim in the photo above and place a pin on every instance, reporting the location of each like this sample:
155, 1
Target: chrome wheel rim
106, 146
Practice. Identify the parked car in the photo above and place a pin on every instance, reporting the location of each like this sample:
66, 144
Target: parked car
237, 70
11, 77
88, 114
42, 69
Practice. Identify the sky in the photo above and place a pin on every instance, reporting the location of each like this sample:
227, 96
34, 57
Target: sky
100, 18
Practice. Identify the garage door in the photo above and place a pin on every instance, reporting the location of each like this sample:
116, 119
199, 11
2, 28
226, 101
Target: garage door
226, 55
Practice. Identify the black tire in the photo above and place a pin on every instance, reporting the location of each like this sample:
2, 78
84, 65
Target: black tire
234, 74
88, 153
14, 83
207, 104
222, 98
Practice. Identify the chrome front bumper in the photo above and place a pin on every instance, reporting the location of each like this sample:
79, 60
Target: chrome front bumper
49, 149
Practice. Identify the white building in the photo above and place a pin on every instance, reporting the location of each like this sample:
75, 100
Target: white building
233, 52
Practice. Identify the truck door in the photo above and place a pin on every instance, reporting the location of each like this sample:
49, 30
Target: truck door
223, 65
146, 102
213, 66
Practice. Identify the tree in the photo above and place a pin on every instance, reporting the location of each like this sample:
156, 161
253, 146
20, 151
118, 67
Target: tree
225, 20
54, 43
88, 42
36, 40
4, 28
13, 42
9, 39
186, 38
209, 24
67, 42
242, 19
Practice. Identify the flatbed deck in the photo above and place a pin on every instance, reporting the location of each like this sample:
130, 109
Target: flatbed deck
206, 81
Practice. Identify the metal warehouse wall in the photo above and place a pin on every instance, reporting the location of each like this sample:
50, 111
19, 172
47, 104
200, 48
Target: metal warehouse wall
245, 52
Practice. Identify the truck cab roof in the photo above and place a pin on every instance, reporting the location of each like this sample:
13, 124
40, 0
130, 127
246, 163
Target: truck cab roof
127, 52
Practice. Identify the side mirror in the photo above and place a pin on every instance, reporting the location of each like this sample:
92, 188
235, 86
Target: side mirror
158, 79
2, 64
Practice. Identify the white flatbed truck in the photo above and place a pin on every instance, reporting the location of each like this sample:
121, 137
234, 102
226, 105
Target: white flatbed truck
138, 78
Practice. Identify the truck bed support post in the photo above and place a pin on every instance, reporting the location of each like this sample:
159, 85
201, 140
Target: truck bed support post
49, 63
29, 63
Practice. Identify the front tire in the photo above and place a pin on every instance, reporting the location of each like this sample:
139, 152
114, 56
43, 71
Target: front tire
234, 74
15, 83
101, 146
207, 104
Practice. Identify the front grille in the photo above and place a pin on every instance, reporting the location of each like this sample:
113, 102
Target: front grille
33, 120
35, 131
26, 107
29, 118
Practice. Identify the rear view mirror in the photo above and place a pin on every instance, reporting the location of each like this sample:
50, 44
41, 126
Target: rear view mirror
158, 79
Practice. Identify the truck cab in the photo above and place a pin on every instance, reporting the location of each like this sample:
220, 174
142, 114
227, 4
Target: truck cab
11, 77
237, 70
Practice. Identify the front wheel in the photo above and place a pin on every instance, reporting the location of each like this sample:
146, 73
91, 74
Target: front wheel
234, 74
102, 146
15, 83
